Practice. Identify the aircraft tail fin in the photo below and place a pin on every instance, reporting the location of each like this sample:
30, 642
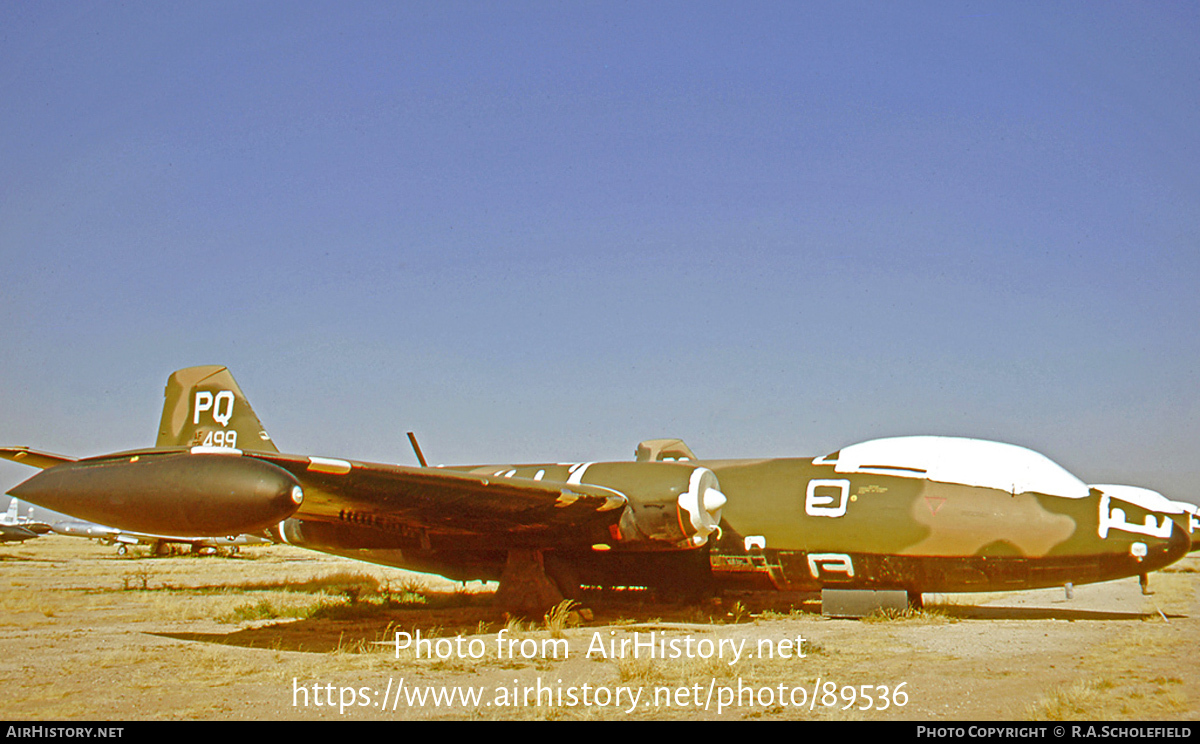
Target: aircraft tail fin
204, 407
10, 517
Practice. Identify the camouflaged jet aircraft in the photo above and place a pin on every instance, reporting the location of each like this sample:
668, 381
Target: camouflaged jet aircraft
919, 514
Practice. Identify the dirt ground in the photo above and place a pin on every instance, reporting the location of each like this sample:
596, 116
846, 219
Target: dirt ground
279, 633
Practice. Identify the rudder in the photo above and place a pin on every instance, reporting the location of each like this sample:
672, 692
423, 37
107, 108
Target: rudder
205, 407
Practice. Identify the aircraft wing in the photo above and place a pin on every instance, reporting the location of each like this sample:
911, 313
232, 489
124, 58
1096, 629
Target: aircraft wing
215, 471
445, 500
34, 458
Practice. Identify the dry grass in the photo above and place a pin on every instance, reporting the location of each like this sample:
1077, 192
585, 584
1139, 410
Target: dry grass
1104, 699
925, 615
644, 671
562, 616
1075, 702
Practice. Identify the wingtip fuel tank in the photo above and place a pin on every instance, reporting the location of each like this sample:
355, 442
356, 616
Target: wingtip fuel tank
186, 493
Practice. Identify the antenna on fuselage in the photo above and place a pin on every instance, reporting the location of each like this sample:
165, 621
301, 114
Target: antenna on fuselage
417, 448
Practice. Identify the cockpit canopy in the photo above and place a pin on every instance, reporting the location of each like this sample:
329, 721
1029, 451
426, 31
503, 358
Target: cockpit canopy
972, 462
663, 450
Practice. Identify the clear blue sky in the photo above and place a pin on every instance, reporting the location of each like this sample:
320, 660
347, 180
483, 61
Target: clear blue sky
545, 231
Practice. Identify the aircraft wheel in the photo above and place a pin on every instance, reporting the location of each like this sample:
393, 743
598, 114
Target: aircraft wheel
122, 550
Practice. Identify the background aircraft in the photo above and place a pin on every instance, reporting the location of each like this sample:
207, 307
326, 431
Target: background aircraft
34, 520
15, 533
13, 528
919, 514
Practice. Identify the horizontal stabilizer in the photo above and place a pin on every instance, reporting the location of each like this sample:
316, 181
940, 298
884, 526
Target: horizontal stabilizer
34, 458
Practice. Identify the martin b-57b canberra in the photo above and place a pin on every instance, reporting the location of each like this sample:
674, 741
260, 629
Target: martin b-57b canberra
919, 514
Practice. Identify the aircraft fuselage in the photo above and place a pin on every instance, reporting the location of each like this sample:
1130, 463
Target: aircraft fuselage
798, 524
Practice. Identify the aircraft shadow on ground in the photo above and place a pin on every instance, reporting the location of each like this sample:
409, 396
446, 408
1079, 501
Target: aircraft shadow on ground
372, 627
327, 636
962, 612
474, 616
24, 559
